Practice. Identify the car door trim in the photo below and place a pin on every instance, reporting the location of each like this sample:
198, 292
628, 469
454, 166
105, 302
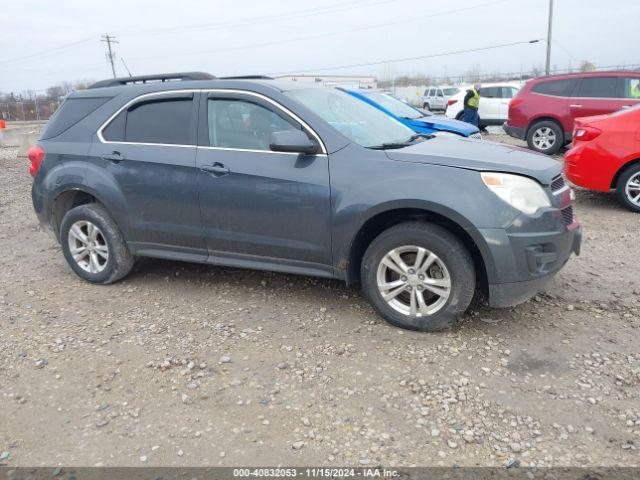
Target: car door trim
277, 105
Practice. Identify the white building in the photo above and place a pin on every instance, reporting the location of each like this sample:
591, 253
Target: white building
347, 81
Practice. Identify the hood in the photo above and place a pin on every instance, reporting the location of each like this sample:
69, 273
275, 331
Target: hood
445, 124
481, 156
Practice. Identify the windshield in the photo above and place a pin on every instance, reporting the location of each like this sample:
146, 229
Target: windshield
355, 119
448, 92
395, 106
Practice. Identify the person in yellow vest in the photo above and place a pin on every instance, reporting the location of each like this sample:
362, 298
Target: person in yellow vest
471, 105
635, 90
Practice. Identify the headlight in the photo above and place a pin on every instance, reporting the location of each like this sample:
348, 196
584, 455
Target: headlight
520, 192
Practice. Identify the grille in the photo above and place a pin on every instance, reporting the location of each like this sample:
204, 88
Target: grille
557, 183
567, 215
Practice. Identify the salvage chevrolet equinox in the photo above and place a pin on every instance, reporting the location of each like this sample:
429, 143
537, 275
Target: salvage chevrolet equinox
262, 174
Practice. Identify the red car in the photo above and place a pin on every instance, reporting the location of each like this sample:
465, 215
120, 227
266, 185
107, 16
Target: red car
606, 155
545, 109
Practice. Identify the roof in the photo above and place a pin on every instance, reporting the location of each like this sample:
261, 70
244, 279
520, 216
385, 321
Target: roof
589, 74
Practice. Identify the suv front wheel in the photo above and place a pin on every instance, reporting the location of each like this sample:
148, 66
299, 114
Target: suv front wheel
418, 276
93, 245
545, 137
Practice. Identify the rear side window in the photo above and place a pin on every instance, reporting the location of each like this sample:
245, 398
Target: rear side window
556, 88
599, 87
164, 121
71, 112
490, 92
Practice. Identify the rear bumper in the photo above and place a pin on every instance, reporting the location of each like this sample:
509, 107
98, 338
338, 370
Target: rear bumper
590, 166
515, 132
528, 261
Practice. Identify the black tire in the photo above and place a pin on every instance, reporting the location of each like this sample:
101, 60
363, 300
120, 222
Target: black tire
460, 115
119, 260
426, 106
631, 172
450, 251
535, 144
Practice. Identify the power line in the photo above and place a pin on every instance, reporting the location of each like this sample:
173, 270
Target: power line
341, 6
45, 52
407, 59
327, 34
109, 39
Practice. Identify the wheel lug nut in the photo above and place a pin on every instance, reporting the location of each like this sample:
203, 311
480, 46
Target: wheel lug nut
421, 277
411, 271
420, 287
403, 278
409, 288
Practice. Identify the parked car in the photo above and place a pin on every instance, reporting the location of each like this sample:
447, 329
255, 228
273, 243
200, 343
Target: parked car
494, 103
436, 98
544, 111
416, 120
606, 155
282, 176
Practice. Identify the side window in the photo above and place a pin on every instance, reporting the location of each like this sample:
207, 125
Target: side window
440, 94
164, 121
490, 92
632, 88
507, 92
235, 123
556, 88
598, 87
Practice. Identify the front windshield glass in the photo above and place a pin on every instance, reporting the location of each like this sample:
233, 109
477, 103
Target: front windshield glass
355, 119
395, 106
448, 92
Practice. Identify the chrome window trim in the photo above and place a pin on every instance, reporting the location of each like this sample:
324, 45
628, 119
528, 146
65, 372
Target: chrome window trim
305, 125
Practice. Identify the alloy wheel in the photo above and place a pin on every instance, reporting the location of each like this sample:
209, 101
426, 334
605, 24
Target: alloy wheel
544, 138
88, 246
413, 281
632, 189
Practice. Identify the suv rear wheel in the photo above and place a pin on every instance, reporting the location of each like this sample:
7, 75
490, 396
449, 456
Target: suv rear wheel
418, 276
545, 137
93, 245
628, 188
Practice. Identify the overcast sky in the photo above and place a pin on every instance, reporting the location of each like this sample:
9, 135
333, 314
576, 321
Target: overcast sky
43, 42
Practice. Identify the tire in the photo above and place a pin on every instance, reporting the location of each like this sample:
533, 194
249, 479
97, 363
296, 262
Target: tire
460, 115
405, 239
93, 226
628, 188
426, 106
545, 137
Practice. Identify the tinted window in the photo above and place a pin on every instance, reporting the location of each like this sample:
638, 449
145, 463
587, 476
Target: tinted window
598, 87
557, 88
632, 88
243, 124
509, 92
451, 91
71, 112
490, 92
160, 121
440, 94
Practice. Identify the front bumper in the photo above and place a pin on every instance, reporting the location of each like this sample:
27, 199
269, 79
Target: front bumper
515, 132
528, 261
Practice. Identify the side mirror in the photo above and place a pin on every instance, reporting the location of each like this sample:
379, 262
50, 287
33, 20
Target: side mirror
295, 141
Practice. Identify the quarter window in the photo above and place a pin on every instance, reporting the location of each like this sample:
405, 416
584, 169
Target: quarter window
490, 92
162, 121
599, 87
235, 123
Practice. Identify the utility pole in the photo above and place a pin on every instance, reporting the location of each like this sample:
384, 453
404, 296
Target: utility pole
549, 32
109, 39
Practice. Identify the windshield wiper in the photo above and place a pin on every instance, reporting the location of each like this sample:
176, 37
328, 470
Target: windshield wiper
406, 143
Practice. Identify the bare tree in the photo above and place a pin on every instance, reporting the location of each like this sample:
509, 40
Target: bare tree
587, 66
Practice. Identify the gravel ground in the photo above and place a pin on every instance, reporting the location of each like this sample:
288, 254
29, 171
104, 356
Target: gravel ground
184, 364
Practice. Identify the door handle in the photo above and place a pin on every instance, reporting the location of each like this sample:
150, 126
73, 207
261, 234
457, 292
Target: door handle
217, 169
115, 157
575, 106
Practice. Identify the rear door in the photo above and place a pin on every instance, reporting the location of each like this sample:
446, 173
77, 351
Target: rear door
489, 103
439, 101
506, 94
258, 206
149, 150
597, 96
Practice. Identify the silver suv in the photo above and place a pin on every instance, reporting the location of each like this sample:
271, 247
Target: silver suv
436, 98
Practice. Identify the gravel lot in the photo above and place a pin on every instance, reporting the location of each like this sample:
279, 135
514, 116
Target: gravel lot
184, 364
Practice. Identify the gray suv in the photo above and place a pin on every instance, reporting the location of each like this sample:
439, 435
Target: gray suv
262, 174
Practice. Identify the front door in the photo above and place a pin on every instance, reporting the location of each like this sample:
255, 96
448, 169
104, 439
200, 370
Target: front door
597, 96
147, 152
260, 208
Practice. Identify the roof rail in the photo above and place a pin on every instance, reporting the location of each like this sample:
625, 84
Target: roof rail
161, 77
248, 77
